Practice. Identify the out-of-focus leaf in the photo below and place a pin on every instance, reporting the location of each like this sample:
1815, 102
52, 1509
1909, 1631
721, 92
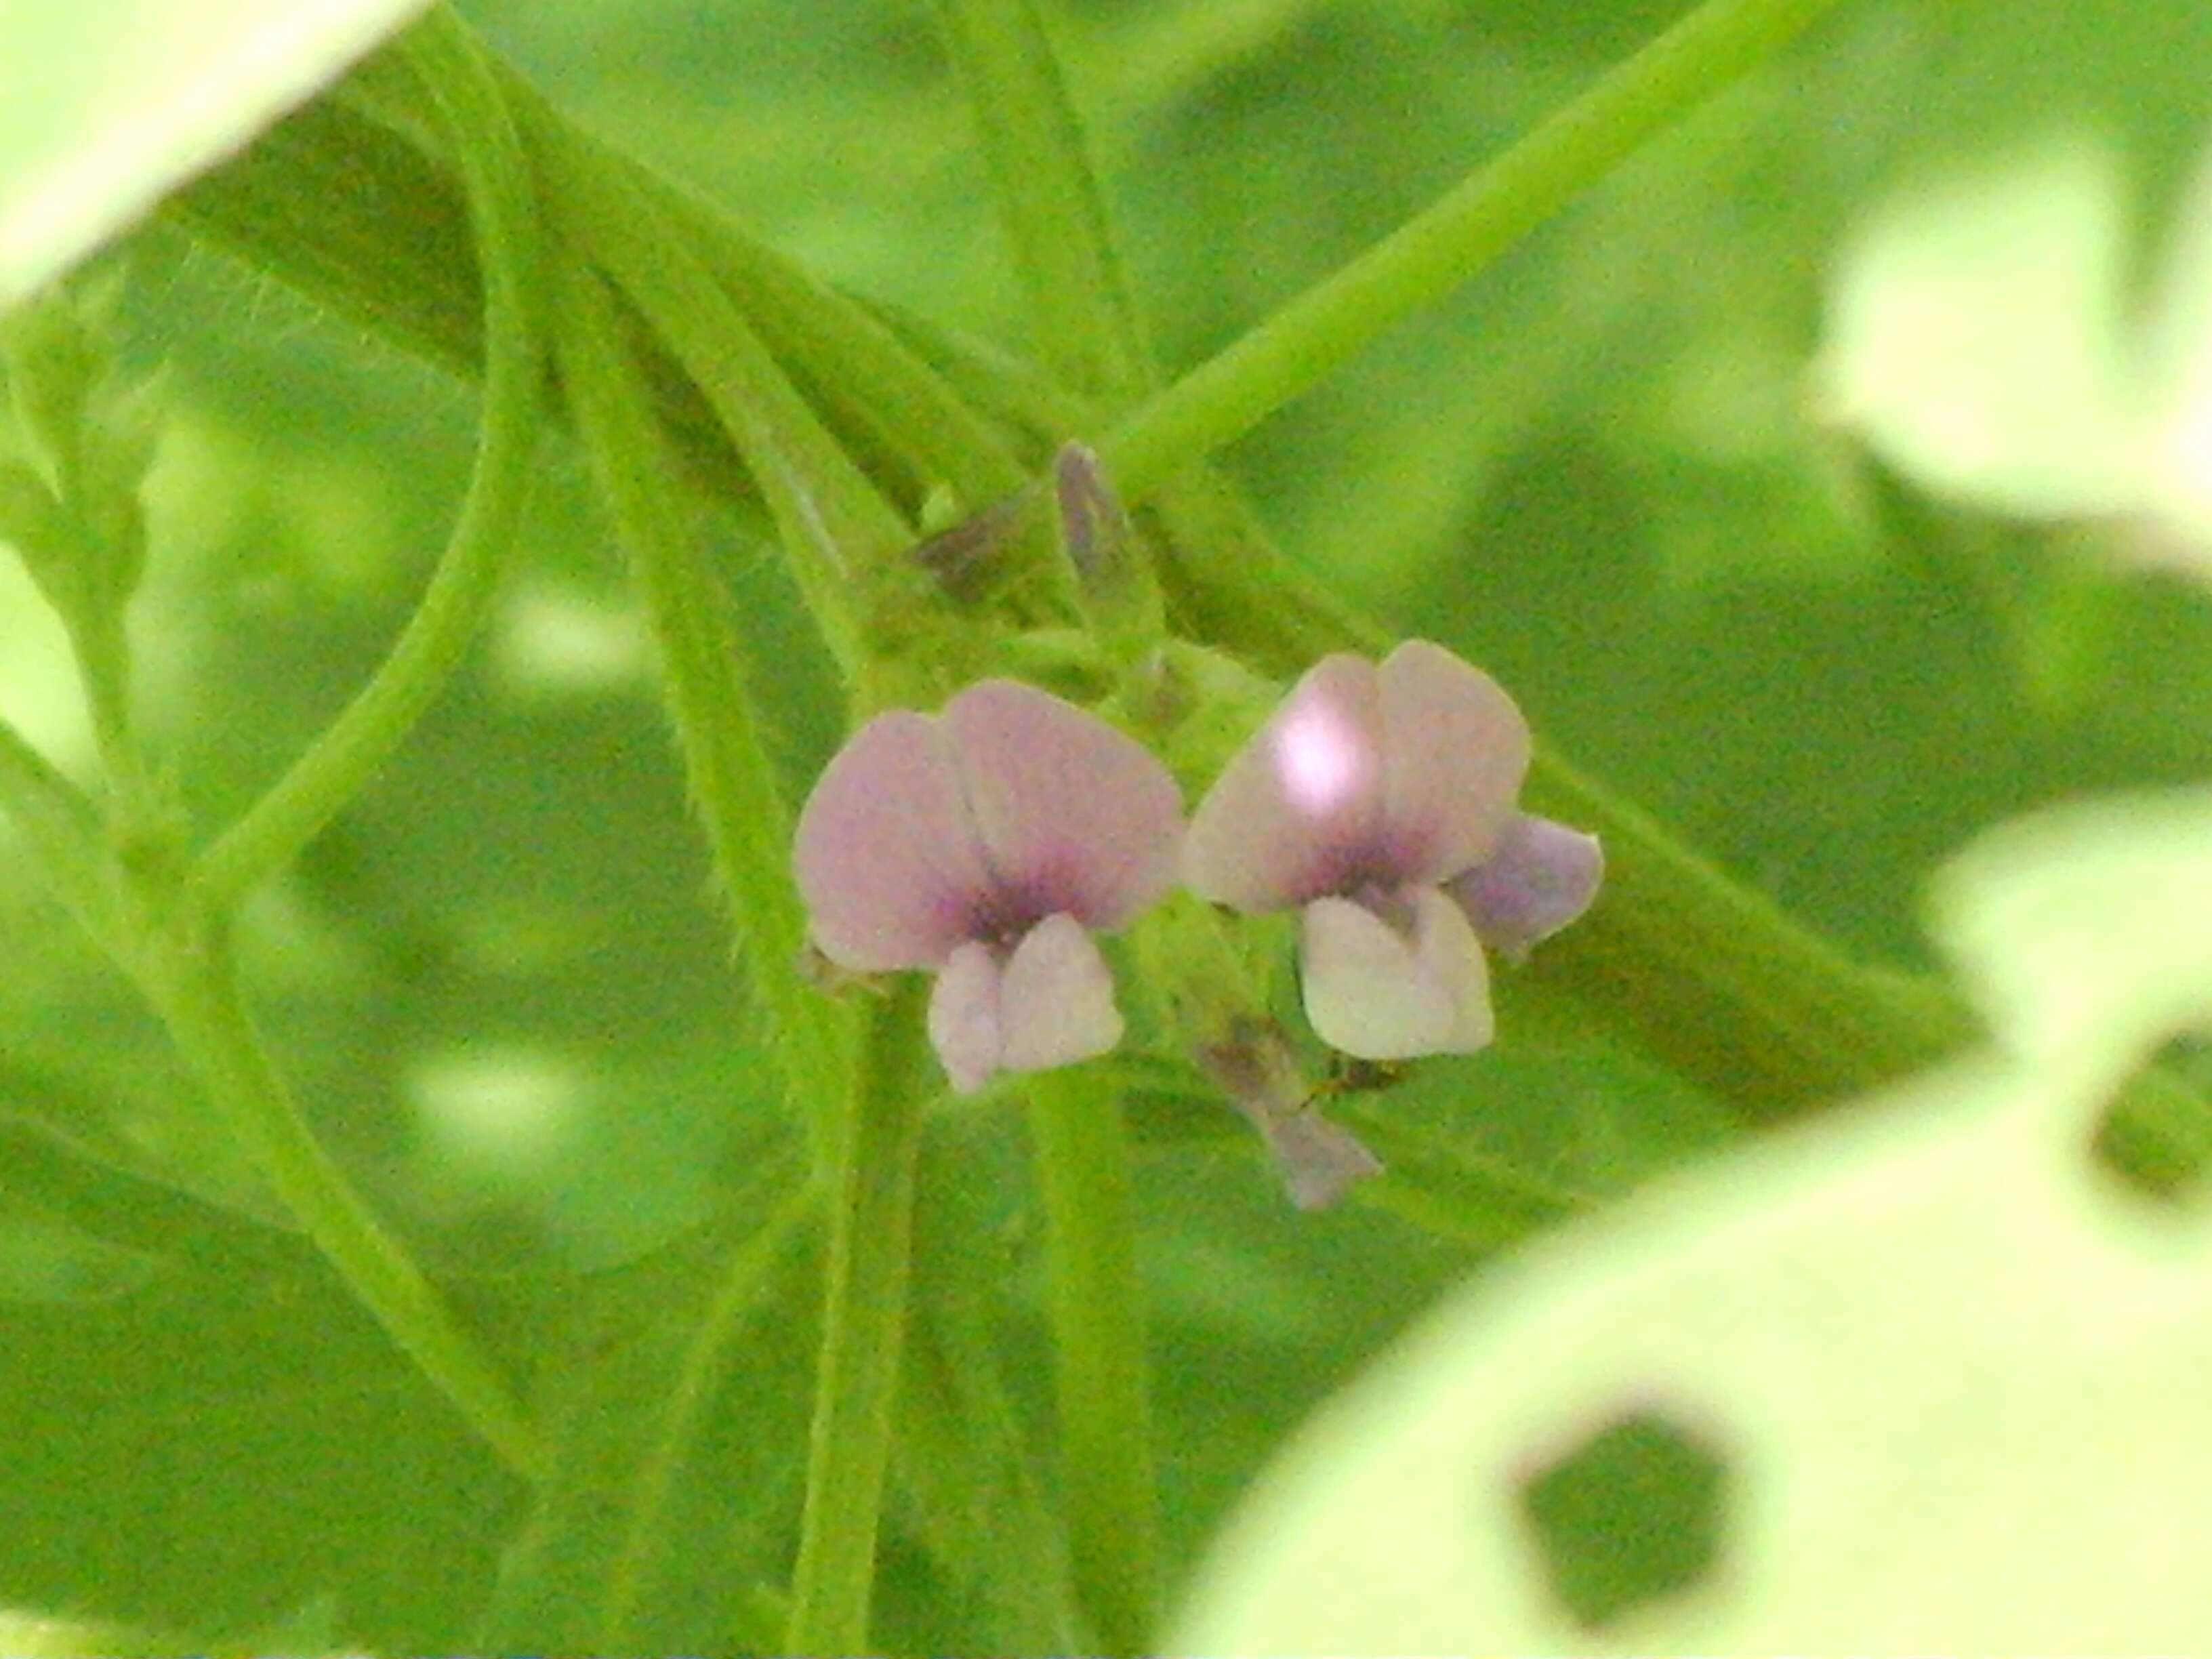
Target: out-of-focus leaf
967, 1463
1979, 342
44, 1262
2087, 929
129, 1113
2179, 356
47, 1636
234, 1442
1975, 337
663, 1513
1913, 1379
133, 97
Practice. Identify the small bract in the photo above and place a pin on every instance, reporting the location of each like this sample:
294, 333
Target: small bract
986, 843
1380, 804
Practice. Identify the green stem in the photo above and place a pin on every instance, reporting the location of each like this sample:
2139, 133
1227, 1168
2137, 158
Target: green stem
840, 536
727, 764
1099, 1330
174, 934
1078, 297
871, 1253
190, 978
879, 397
502, 210
1429, 256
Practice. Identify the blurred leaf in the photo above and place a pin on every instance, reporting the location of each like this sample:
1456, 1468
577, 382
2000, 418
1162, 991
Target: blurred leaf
44, 1635
2179, 357
135, 96
968, 1461
1912, 1379
1979, 341
2087, 929
229, 1445
130, 1120
672, 1485
1975, 338
46, 1262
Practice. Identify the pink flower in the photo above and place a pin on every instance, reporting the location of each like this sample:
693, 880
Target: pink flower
1538, 878
1367, 793
985, 842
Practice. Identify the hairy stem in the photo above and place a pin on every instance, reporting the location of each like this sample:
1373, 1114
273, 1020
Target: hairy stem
1107, 1461
502, 210
727, 763
1083, 314
871, 1255
192, 983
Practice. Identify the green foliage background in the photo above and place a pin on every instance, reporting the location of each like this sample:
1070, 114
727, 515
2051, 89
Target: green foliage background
500, 982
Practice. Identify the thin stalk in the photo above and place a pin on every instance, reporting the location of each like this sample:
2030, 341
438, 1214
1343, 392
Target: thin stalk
871, 1259
840, 536
170, 931
1082, 313
1426, 258
1101, 1372
727, 763
193, 984
502, 211
878, 395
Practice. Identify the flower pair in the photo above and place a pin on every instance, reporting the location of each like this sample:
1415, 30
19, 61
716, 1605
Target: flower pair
989, 842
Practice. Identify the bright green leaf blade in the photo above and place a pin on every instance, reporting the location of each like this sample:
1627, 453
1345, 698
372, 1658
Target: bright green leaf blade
244, 1364
1953, 1401
1975, 338
135, 97
1917, 1378
2089, 929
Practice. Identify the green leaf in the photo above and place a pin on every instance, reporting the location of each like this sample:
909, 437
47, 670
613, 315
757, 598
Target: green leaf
1914, 1378
2087, 930
244, 1364
135, 97
676, 1411
46, 1262
969, 1474
1976, 341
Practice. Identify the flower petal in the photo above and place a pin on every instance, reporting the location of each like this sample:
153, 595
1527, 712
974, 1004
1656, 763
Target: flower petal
1540, 875
1296, 811
1457, 748
1056, 1003
886, 853
964, 1023
1074, 816
1377, 994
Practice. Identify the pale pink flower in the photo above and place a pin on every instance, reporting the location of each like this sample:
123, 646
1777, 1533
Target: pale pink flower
1539, 876
1367, 793
985, 842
